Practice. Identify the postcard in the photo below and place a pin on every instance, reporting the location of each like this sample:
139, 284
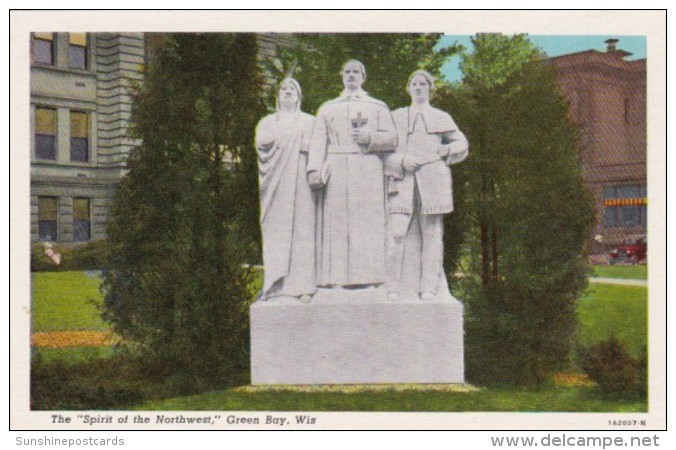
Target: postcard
331, 220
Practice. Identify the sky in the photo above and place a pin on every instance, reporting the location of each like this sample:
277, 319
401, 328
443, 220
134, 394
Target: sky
552, 46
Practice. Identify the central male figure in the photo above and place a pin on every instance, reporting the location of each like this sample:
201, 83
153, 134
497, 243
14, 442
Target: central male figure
351, 136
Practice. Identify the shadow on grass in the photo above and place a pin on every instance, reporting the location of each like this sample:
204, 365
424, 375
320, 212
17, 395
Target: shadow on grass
96, 383
104, 378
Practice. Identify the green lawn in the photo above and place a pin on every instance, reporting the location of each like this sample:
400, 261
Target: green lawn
550, 398
633, 272
613, 310
66, 301
75, 355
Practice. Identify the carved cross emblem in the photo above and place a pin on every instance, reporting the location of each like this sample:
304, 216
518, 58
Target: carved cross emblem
359, 121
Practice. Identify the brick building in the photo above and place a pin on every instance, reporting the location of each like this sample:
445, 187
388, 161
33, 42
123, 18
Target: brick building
607, 95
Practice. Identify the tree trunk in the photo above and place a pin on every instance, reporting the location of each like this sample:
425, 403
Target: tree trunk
494, 239
484, 253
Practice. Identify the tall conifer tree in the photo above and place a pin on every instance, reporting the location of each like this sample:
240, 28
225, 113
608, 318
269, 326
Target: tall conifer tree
183, 215
524, 209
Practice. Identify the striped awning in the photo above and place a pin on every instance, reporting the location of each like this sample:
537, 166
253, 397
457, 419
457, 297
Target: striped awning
625, 202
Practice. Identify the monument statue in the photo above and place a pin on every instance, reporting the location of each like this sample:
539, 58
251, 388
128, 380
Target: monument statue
420, 191
287, 202
381, 193
351, 136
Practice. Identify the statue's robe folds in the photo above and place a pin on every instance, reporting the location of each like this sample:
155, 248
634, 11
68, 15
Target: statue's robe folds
287, 204
351, 211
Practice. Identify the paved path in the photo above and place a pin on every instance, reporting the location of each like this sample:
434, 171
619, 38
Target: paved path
621, 281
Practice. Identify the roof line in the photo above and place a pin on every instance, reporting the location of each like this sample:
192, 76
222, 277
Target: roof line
593, 51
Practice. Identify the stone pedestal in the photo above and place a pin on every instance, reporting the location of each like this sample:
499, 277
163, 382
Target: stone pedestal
357, 337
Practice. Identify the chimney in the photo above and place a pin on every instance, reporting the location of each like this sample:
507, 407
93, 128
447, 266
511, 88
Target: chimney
614, 51
612, 44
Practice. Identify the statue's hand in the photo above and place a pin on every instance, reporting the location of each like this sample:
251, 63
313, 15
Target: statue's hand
363, 137
314, 179
410, 164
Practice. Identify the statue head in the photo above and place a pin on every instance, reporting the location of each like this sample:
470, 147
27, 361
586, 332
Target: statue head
420, 86
289, 95
354, 74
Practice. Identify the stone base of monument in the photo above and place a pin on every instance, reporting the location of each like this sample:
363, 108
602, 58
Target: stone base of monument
357, 337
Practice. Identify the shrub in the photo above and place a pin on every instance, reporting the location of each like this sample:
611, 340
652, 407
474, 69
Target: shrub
95, 384
610, 365
89, 256
517, 334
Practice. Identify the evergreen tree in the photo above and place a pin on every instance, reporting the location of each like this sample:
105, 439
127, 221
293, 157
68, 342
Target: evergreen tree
389, 60
525, 211
185, 216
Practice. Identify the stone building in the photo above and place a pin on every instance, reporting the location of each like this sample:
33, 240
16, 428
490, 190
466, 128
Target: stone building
80, 107
607, 96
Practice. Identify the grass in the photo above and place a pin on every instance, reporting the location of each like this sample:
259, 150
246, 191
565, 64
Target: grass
76, 355
631, 272
612, 310
66, 301
548, 398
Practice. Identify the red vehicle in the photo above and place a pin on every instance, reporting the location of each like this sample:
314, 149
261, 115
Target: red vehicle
632, 251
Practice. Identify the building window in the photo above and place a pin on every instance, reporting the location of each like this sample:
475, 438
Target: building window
43, 48
45, 133
81, 220
78, 51
625, 206
47, 212
79, 136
